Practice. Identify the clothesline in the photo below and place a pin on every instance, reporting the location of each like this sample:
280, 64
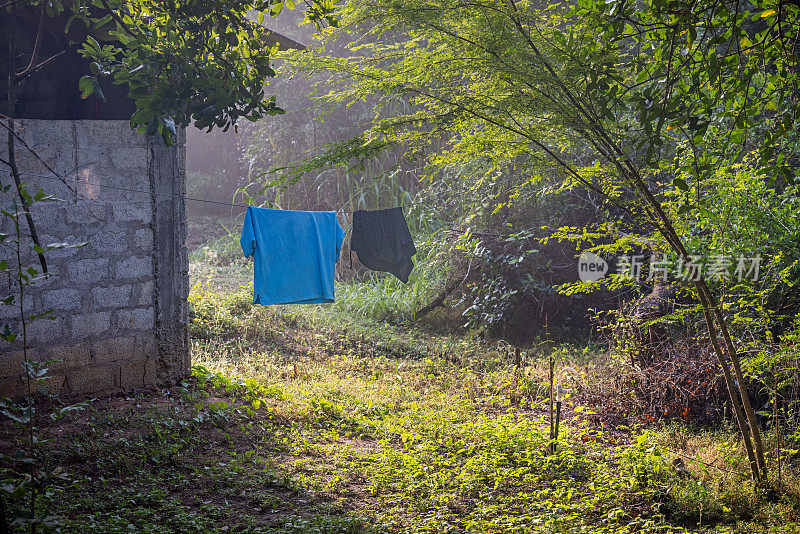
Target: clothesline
230, 204
118, 188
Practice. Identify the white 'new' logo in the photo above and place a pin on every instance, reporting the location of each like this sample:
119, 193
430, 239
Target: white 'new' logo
591, 267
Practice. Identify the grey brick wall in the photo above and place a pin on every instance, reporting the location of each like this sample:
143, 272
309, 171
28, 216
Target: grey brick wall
120, 301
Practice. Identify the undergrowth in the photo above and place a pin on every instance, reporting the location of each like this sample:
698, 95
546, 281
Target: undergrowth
317, 419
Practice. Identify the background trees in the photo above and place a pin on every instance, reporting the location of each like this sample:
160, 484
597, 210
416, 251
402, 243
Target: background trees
645, 113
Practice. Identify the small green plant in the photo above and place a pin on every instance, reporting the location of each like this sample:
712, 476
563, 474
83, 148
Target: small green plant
250, 391
26, 479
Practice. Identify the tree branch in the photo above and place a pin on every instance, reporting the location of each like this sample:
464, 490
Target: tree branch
12, 135
9, 3
36, 45
117, 18
31, 71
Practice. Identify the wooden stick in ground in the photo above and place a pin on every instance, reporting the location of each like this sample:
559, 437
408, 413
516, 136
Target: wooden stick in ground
517, 361
551, 398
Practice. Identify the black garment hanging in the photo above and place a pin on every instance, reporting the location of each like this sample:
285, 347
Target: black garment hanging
382, 241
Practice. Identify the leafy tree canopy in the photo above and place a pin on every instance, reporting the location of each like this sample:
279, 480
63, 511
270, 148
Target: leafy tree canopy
608, 91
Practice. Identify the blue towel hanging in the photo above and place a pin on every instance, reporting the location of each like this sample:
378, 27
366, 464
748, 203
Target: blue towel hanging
294, 254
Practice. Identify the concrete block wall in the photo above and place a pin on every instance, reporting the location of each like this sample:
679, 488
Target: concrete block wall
120, 301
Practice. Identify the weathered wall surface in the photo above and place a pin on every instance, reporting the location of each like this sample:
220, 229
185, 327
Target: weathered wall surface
120, 301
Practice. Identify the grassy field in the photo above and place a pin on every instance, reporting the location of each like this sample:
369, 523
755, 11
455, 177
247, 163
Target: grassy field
315, 419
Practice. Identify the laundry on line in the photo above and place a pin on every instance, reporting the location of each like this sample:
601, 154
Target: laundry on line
294, 254
382, 241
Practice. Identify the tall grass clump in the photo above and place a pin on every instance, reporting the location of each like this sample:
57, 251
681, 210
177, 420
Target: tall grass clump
382, 296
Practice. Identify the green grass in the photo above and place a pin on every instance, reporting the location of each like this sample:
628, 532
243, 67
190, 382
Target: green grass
436, 442
320, 419
383, 297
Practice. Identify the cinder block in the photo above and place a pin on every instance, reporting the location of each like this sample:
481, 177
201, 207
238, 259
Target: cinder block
137, 374
53, 278
87, 211
66, 356
92, 379
10, 312
92, 133
53, 383
92, 174
5, 346
11, 363
90, 324
109, 242
48, 133
11, 386
117, 349
45, 330
138, 319
66, 252
151, 371
111, 297
59, 186
130, 158
26, 129
138, 212
146, 294
88, 271
143, 239
47, 215
147, 341
49, 156
61, 299
55, 179
135, 268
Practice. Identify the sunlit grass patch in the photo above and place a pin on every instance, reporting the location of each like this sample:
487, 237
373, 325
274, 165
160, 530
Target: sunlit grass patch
317, 419
715, 484
424, 432
434, 455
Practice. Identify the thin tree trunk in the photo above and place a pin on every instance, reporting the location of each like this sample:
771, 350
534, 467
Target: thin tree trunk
12, 160
737, 369
712, 312
755, 468
746, 421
